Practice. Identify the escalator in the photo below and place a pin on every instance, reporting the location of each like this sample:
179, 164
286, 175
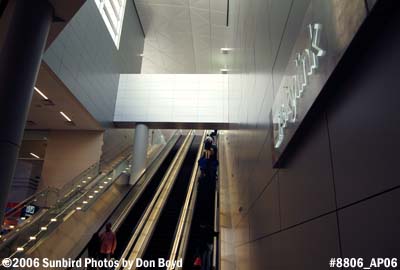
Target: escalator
202, 226
107, 196
128, 226
163, 236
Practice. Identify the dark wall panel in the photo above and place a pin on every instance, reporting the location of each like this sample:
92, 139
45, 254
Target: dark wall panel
363, 119
264, 215
306, 184
305, 247
371, 229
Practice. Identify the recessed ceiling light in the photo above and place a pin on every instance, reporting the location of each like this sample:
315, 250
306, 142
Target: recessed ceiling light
225, 50
34, 155
32, 238
20, 249
40, 93
79, 208
90, 196
43, 228
224, 70
66, 117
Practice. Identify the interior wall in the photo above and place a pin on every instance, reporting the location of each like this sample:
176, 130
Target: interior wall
26, 179
87, 61
116, 141
69, 153
337, 194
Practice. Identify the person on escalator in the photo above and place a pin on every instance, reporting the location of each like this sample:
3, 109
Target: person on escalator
108, 243
197, 263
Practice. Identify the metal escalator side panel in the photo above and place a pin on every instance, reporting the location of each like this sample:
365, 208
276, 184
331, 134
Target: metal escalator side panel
146, 227
183, 229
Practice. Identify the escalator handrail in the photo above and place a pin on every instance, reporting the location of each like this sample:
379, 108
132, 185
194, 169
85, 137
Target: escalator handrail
66, 205
115, 225
178, 247
46, 190
79, 202
145, 219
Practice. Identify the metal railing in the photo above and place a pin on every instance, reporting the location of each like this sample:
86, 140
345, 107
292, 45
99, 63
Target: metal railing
123, 209
79, 196
183, 229
144, 229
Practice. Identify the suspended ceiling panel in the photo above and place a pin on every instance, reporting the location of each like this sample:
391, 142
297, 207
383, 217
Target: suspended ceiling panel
184, 36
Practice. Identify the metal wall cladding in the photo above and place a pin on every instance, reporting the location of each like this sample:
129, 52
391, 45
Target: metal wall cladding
323, 36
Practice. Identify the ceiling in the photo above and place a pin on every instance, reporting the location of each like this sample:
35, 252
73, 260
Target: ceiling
184, 36
45, 114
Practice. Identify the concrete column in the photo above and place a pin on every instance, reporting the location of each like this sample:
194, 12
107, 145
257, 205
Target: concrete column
139, 155
20, 58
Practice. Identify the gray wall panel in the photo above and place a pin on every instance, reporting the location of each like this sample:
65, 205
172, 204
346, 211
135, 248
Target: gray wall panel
86, 59
339, 186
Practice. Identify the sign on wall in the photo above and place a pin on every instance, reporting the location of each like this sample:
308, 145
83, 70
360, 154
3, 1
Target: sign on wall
327, 30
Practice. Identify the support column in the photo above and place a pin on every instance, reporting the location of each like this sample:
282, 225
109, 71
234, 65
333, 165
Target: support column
19, 65
139, 155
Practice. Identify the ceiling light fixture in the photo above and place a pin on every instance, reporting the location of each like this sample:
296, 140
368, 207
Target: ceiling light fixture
225, 50
40, 93
66, 117
34, 155
224, 70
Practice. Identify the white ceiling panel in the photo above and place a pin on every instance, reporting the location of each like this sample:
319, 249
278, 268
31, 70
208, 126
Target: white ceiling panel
184, 36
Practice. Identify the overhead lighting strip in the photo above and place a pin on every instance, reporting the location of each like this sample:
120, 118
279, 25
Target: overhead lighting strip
41, 93
66, 117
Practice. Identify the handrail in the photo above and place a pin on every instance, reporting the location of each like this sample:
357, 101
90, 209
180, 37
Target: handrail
118, 222
217, 239
26, 201
185, 215
23, 203
147, 174
148, 219
66, 207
